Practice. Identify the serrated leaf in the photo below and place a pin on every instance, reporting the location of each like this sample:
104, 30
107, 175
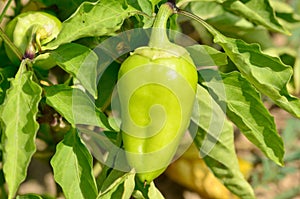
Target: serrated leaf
203, 55
73, 168
285, 11
103, 17
246, 110
117, 185
257, 11
19, 127
75, 106
268, 74
79, 61
214, 139
230, 24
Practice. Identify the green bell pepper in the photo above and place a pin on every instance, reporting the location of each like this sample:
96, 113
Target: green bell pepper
156, 86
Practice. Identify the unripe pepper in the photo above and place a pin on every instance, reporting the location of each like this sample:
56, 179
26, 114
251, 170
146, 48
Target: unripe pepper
157, 86
29, 31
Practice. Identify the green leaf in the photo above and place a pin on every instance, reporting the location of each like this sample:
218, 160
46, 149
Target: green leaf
154, 193
257, 11
147, 7
75, 106
268, 74
146, 192
103, 17
30, 196
19, 127
3, 189
285, 11
215, 14
230, 24
206, 9
72, 165
5, 74
117, 185
79, 61
204, 55
66, 8
106, 85
155, 2
3, 56
214, 139
246, 110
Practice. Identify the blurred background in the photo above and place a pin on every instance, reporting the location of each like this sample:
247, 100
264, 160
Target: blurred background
188, 177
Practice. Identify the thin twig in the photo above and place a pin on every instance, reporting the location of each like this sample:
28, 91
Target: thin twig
11, 44
197, 18
4, 10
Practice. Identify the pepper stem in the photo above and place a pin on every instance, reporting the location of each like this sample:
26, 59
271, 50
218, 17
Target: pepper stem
159, 37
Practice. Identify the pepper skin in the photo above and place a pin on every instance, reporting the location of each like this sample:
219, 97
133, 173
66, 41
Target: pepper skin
157, 86
29, 31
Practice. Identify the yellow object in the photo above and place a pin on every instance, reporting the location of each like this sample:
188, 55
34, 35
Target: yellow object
191, 171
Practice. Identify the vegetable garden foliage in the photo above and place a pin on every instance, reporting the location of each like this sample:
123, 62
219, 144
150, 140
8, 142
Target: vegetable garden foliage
71, 76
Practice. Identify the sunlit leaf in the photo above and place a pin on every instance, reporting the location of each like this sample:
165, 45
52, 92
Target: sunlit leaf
117, 185
72, 164
79, 61
214, 139
75, 106
19, 127
268, 74
103, 17
246, 110
257, 11
203, 55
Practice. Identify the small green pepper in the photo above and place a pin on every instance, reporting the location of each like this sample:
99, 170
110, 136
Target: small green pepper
29, 31
157, 86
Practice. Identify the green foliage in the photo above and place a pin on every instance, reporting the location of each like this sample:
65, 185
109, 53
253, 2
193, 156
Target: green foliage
72, 165
80, 62
93, 19
117, 185
238, 67
245, 109
19, 127
61, 98
215, 139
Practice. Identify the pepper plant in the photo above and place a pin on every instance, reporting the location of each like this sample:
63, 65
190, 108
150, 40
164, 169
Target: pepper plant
118, 85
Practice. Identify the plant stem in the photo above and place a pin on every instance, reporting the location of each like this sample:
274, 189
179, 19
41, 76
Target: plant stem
11, 44
195, 17
4, 10
159, 36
